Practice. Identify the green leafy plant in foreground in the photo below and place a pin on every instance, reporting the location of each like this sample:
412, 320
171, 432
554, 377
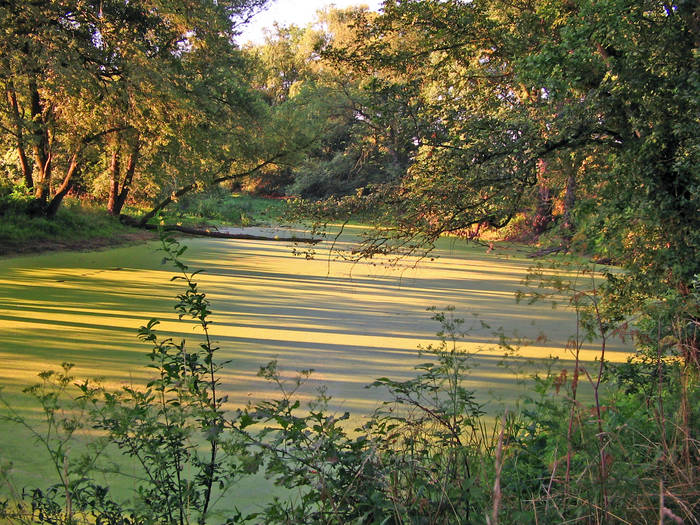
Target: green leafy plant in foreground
418, 455
63, 421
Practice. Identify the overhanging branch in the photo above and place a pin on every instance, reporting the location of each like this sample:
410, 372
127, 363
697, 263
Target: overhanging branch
216, 180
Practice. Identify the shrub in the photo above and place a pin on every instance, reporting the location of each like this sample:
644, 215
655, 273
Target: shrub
14, 198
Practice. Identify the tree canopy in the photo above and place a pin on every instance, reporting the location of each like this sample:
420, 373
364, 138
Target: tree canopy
98, 92
589, 106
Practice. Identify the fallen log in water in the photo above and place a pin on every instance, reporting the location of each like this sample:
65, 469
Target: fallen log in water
204, 232
547, 251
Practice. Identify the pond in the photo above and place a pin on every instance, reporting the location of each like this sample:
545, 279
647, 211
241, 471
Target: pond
350, 322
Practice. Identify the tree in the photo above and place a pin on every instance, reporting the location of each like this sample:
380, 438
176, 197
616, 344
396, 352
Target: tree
47, 119
507, 87
84, 77
367, 121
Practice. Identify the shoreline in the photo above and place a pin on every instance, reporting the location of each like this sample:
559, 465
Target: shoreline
39, 246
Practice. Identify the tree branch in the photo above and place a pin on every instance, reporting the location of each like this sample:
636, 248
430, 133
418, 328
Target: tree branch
216, 180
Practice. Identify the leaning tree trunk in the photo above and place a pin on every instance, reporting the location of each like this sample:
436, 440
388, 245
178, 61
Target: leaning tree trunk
190, 187
65, 187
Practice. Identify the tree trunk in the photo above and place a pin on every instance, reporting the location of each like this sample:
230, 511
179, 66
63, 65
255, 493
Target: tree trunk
42, 152
393, 145
114, 176
23, 160
55, 203
545, 205
26, 168
569, 203
130, 221
128, 178
162, 204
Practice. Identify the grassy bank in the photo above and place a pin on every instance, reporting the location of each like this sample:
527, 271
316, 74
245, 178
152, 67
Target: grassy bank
81, 226
76, 227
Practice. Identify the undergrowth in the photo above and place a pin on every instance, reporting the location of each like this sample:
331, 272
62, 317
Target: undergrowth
75, 221
78, 221
220, 206
72, 225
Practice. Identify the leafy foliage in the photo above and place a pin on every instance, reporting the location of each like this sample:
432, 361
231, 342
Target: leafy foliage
433, 118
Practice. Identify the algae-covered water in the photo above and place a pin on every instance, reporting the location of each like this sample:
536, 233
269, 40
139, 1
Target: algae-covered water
349, 322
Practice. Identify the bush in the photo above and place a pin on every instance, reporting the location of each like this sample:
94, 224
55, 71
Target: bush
14, 198
217, 204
